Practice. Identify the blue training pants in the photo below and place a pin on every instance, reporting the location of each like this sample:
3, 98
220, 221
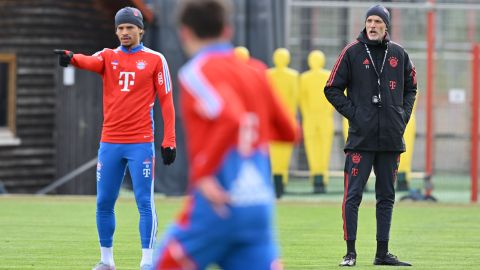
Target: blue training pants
112, 163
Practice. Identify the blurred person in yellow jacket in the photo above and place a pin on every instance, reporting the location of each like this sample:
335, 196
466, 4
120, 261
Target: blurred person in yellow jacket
317, 120
285, 82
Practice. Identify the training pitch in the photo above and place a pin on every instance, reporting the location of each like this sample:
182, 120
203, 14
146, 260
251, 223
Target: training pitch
58, 232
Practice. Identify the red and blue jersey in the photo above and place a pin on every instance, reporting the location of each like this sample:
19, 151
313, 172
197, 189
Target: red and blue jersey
230, 114
228, 104
131, 79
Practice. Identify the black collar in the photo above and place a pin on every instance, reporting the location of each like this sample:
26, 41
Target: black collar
363, 38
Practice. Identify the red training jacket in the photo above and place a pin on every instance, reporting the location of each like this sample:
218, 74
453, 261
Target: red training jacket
131, 78
224, 99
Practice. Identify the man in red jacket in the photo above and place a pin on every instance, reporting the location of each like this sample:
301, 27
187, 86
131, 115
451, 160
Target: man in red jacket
133, 75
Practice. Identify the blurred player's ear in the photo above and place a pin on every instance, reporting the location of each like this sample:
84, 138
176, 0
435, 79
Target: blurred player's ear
228, 32
187, 37
186, 34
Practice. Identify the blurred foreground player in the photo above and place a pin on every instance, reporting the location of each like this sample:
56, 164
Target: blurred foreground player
132, 76
230, 114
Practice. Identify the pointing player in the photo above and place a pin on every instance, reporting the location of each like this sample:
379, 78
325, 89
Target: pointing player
230, 114
132, 76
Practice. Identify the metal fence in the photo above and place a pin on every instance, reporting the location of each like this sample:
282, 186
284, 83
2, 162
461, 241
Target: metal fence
330, 25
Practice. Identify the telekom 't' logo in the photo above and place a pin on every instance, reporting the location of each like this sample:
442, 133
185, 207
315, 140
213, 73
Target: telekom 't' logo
127, 80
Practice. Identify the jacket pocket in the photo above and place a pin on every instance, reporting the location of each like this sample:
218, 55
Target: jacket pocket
361, 121
397, 114
353, 122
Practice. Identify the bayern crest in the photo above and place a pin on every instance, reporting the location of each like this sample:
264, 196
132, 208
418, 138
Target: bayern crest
393, 61
356, 157
141, 64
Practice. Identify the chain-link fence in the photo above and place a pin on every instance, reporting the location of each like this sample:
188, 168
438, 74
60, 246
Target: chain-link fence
330, 25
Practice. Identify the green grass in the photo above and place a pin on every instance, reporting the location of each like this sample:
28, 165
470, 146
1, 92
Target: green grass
448, 188
56, 232
429, 236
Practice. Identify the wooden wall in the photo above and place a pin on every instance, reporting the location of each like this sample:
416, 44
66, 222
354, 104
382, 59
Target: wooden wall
31, 29
59, 125
79, 124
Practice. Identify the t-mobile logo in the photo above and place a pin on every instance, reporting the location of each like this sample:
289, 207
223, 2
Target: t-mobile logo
146, 172
126, 79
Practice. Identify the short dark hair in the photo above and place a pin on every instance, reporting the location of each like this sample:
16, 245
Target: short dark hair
206, 18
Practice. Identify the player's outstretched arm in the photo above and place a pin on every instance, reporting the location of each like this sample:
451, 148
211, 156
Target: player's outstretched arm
92, 63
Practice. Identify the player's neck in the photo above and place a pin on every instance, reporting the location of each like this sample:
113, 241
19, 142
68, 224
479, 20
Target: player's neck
201, 44
131, 46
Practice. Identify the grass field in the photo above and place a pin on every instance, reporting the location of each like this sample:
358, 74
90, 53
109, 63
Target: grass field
58, 232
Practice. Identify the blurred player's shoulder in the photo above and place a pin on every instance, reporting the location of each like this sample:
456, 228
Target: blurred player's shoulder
257, 64
259, 69
220, 67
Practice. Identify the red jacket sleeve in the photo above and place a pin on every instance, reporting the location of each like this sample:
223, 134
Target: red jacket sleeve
163, 86
282, 126
94, 63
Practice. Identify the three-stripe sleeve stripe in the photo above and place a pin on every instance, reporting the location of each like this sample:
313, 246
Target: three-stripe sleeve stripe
194, 81
337, 64
166, 75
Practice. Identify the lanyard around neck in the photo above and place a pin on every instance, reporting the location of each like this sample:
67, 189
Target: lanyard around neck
373, 63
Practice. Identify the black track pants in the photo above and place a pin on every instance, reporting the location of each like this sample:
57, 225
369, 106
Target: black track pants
358, 165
